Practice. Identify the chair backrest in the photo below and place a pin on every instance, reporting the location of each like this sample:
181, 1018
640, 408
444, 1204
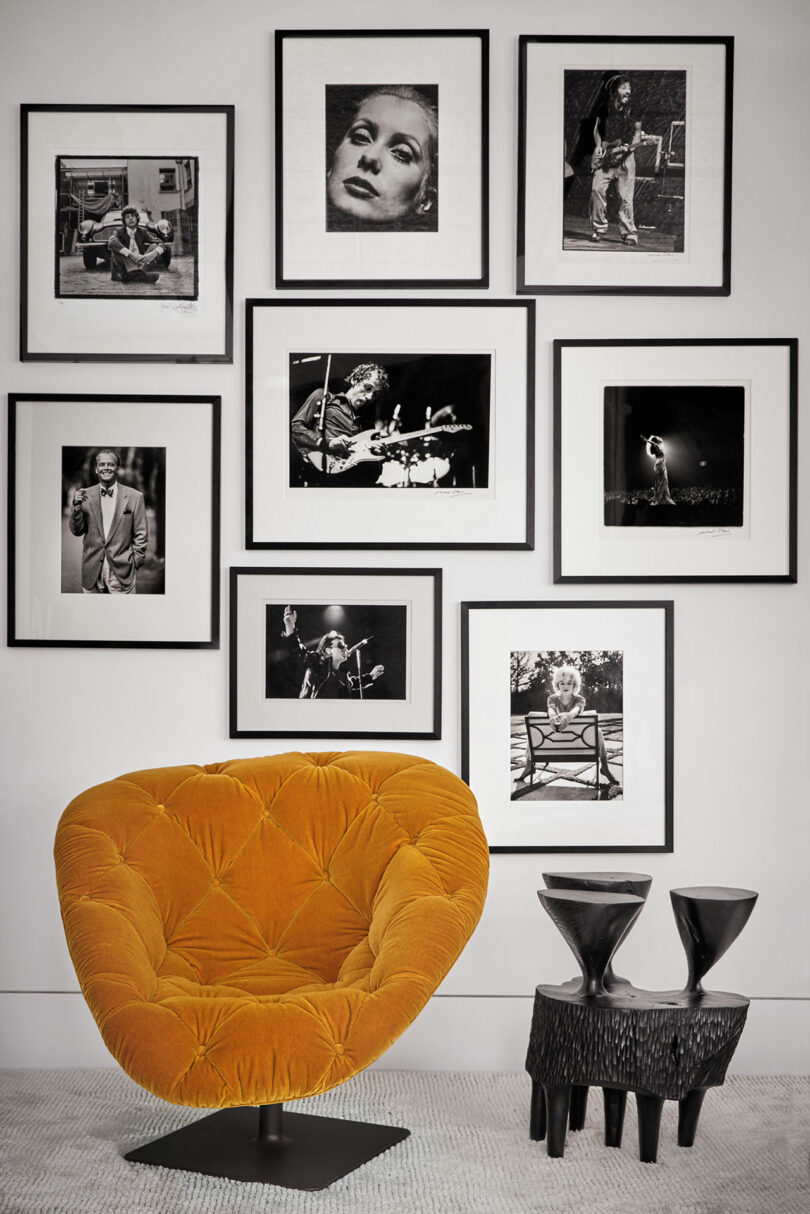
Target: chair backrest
579, 738
228, 864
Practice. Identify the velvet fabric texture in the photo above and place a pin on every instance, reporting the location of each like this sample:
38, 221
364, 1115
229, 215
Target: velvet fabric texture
259, 930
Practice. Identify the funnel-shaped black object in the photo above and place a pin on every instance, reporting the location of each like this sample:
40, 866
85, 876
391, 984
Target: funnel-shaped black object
709, 919
592, 923
604, 883
607, 883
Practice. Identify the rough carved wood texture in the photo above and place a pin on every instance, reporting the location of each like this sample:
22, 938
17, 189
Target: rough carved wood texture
657, 1042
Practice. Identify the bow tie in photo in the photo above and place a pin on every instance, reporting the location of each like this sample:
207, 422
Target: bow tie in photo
106, 492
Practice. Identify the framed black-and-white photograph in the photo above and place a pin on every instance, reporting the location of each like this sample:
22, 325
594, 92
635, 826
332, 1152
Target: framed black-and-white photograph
127, 233
335, 653
113, 521
381, 158
390, 424
567, 724
675, 460
624, 170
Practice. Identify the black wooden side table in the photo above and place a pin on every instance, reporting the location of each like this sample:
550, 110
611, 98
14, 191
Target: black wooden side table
661, 1045
604, 1032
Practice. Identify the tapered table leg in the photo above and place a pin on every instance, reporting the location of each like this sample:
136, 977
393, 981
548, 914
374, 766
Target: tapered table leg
615, 1103
579, 1104
558, 1102
649, 1123
537, 1118
688, 1114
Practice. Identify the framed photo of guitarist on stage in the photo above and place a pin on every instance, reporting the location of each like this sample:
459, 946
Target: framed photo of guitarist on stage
390, 424
624, 171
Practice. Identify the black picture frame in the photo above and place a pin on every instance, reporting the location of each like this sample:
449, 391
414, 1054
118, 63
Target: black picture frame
543, 190
141, 322
733, 487
640, 818
272, 693
425, 515
320, 264
178, 434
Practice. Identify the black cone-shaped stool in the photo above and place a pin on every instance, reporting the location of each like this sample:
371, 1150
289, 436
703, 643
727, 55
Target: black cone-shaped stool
607, 883
593, 923
709, 919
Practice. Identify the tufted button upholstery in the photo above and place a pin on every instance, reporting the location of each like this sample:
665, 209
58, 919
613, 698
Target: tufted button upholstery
260, 930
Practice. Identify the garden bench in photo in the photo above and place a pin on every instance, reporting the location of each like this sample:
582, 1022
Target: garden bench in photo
577, 742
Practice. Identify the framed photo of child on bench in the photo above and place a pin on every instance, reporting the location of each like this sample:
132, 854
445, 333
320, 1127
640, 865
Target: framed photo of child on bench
567, 724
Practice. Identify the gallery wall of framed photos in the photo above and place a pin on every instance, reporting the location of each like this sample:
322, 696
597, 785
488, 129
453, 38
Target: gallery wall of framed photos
579, 475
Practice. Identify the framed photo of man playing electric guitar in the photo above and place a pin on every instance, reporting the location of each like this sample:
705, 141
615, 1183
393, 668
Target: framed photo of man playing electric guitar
624, 172
396, 424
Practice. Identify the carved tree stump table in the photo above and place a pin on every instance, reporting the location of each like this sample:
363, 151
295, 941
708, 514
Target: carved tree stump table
661, 1045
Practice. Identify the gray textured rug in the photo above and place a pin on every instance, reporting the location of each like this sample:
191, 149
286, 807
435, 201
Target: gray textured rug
64, 1134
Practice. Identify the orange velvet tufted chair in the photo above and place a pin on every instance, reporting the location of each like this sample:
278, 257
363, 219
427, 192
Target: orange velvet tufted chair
251, 932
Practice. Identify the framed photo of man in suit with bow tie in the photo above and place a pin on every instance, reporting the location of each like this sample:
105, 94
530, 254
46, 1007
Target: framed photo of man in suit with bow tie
113, 528
114, 520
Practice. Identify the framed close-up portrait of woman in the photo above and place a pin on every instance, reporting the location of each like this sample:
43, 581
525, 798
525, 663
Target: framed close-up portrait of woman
390, 423
127, 233
624, 165
675, 460
381, 158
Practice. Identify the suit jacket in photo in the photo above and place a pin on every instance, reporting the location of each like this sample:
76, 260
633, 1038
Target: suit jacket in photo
125, 546
120, 241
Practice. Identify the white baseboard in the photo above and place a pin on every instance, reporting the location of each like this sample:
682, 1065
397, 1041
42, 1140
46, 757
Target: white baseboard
453, 1033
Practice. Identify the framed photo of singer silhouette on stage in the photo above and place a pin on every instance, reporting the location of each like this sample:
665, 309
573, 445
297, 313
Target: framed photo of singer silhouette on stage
675, 460
390, 424
381, 158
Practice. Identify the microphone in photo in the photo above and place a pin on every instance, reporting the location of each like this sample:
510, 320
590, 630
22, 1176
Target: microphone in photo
393, 425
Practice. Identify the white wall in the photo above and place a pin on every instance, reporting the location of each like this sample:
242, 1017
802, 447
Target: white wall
741, 712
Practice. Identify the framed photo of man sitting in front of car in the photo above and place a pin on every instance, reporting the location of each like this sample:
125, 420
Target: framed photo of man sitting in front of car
127, 233
127, 229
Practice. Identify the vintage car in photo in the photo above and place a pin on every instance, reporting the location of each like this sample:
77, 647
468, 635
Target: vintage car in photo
94, 235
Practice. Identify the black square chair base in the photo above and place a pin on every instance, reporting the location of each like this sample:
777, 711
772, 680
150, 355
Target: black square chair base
315, 1152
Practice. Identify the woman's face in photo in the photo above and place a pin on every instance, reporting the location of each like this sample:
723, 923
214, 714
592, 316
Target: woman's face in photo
565, 685
382, 161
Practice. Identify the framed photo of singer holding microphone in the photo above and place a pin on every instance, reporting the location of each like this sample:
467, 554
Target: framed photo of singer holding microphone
335, 653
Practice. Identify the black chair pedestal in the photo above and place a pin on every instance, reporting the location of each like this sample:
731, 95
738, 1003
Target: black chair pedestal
298, 1151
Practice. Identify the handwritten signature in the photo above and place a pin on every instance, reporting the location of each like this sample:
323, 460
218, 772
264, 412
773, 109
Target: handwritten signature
716, 531
452, 492
183, 307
